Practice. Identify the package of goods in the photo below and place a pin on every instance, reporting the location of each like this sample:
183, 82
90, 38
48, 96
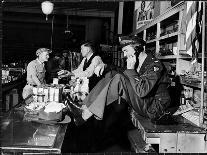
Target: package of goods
34, 89
45, 93
192, 116
188, 92
35, 106
82, 85
40, 94
184, 108
52, 111
56, 95
197, 97
51, 94
55, 81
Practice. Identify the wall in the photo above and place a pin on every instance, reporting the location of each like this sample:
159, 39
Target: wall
25, 33
94, 30
127, 26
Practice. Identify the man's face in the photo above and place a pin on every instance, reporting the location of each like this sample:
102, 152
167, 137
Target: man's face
65, 54
44, 56
84, 50
128, 51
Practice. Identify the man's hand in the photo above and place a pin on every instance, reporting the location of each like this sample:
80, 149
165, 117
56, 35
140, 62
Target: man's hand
99, 69
131, 60
64, 73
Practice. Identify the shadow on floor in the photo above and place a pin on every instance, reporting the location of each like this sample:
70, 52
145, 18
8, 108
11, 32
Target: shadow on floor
81, 140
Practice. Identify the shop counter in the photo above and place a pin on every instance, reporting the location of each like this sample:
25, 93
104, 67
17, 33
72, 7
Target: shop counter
21, 135
180, 137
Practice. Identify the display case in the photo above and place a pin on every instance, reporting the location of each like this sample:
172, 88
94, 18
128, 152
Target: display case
13, 81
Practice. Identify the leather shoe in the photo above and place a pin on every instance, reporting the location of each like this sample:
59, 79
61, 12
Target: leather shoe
76, 112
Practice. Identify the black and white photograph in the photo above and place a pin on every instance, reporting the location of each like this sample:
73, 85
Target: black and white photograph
103, 77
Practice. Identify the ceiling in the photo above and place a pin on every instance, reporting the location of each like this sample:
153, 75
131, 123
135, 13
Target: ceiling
68, 8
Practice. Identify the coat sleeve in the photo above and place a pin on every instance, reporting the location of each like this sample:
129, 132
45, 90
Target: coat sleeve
144, 83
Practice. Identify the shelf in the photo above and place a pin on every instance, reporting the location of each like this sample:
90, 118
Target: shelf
184, 55
174, 57
196, 85
168, 35
168, 57
200, 55
151, 41
13, 84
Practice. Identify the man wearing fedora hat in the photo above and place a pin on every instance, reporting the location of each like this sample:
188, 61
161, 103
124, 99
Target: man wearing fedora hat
36, 71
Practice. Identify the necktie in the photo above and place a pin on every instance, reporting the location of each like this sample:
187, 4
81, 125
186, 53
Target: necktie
85, 64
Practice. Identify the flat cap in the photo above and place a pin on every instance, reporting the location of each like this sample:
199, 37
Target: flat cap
40, 50
131, 40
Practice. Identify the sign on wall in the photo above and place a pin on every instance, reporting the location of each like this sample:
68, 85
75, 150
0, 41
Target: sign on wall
144, 12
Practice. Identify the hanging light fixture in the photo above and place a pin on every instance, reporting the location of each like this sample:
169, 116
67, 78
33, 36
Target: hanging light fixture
47, 8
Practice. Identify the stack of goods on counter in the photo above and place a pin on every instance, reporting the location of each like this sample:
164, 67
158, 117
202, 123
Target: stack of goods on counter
45, 93
46, 104
80, 89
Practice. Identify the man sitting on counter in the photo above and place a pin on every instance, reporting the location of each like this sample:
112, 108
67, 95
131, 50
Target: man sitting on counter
143, 85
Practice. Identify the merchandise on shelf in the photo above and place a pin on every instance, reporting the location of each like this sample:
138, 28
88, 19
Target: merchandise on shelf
11, 74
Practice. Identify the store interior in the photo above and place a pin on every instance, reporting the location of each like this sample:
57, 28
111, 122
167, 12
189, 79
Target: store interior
26, 28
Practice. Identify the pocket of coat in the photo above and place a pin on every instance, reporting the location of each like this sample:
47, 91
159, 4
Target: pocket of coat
40, 69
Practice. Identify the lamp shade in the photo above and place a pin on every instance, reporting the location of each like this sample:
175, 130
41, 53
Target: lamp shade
47, 7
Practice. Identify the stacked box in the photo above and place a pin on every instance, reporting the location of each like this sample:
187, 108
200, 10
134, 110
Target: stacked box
45, 93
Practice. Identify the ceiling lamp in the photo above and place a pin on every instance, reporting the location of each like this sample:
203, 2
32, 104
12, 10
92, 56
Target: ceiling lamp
47, 7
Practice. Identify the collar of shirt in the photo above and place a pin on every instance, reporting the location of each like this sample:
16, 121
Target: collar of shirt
88, 57
42, 63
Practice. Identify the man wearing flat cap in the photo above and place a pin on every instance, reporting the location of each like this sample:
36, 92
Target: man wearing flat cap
36, 71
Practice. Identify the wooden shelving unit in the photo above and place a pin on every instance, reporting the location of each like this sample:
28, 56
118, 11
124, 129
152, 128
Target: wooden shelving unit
195, 85
169, 42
